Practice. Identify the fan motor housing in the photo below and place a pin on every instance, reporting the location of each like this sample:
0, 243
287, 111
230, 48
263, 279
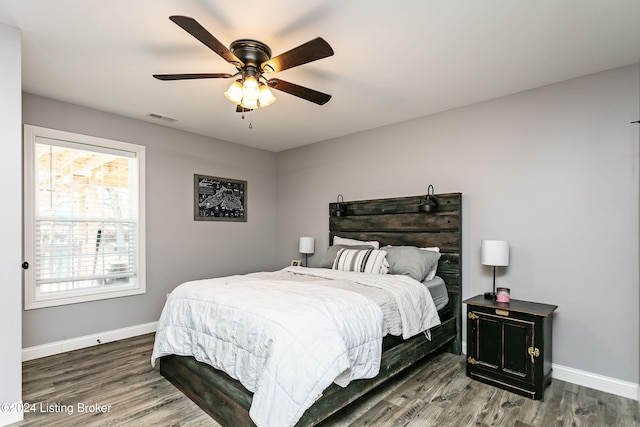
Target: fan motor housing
251, 52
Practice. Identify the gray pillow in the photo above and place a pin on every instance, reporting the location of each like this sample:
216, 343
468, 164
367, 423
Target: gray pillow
411, 261
331, 253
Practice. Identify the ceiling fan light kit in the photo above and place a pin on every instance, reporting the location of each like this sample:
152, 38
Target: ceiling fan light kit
249, 92
252, 60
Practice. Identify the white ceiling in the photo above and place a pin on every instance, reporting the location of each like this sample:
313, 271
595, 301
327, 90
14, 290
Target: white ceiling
394, 60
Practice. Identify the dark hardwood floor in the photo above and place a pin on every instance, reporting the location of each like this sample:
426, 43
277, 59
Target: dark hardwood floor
114, 384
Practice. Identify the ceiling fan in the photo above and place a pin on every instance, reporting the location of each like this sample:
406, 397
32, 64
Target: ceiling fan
253, 60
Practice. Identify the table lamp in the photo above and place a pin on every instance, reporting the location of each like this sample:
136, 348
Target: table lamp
306, 247
496, 254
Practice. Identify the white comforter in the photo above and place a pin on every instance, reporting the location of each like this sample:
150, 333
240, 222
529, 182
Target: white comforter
417, 311
284, 341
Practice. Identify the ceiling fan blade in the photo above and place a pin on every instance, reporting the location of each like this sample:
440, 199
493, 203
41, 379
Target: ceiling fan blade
311, 51
166, 77
192, 27
300, 91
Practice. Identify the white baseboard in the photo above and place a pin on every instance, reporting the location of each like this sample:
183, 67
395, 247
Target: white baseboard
599, 382
58, 347
587, 379
7, 418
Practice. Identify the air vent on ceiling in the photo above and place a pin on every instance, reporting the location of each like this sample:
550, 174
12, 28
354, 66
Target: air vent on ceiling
162, 117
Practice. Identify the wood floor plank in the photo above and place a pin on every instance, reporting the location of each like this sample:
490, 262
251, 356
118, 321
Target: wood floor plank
437, 373
380, 415
435, 392
426, 416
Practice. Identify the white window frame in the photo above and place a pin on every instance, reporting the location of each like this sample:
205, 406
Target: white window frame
34, 300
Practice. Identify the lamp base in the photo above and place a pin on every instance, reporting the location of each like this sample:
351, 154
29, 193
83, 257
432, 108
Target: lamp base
490, 295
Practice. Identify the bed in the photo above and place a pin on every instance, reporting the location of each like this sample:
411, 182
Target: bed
397, 222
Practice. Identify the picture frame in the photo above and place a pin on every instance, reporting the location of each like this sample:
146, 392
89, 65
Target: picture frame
296, 263
219, 199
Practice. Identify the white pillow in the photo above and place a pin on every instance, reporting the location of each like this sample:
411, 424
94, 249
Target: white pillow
432, 273
362, 260
337, 240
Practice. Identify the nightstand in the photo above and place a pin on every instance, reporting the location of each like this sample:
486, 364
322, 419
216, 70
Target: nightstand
509, 344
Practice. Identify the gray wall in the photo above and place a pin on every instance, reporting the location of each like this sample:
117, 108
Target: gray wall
178, 248
553, 170
10, 221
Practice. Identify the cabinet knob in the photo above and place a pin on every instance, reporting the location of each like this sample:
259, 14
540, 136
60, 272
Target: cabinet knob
533, 352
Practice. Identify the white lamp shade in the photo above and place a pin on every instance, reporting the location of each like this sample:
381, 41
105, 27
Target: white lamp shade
307, 245
495, 252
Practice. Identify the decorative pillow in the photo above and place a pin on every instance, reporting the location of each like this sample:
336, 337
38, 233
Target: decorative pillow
331, 253
411, 261
337, 240
432, 273
361, 260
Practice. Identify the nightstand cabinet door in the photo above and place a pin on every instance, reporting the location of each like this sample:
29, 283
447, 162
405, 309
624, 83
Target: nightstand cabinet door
509, 345
500, 344
517, 336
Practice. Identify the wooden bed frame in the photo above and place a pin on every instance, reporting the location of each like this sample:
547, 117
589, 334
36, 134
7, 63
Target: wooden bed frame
394, 221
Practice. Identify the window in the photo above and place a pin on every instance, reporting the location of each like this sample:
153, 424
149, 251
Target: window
84, 218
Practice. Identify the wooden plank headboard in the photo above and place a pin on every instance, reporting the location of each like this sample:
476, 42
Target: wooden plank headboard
398, 221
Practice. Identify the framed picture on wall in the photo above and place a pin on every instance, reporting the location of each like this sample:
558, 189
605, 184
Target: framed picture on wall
295, 263
219, 199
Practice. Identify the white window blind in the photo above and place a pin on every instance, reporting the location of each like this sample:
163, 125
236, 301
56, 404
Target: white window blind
86, 228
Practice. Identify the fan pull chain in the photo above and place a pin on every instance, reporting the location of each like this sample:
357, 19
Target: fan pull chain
250, 124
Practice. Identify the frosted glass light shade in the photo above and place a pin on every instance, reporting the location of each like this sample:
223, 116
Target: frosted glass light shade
266, 97
234, 93
250, 103
250, 88
307, 245
495, 252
